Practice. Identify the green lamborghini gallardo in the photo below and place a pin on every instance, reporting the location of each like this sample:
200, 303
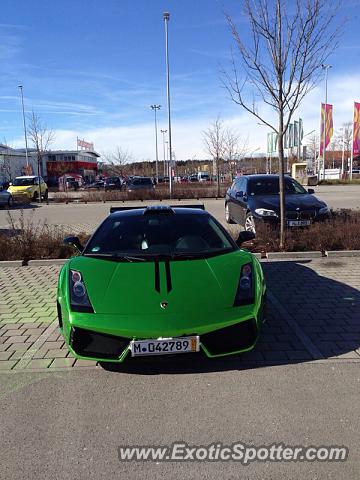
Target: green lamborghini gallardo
160, 280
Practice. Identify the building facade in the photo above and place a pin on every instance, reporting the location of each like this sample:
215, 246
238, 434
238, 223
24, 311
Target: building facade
54, 164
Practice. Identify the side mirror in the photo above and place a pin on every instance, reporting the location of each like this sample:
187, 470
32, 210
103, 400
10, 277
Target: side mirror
311, 191
244, 236
74, 242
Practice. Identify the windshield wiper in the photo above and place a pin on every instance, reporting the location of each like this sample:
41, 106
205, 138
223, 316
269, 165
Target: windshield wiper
116, 256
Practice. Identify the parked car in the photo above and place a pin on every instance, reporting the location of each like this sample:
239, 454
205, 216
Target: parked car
200, 292
193, 178
114, 183
255, 198
98, 185
29, 187
5, 197
140, 183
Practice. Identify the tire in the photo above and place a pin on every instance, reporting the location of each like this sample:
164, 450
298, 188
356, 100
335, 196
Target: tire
35, 197
10, 202
250, 223
46, 195
227, 214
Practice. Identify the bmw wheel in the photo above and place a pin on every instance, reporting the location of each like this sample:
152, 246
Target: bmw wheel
250, 223
227, 214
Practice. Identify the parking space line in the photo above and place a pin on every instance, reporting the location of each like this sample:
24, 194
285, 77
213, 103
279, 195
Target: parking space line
304, 339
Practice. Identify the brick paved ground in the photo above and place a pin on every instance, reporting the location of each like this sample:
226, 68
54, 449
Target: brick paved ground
314, 314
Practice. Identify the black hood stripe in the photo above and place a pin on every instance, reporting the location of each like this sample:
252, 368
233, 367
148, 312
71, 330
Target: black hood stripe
157, 276
168, 276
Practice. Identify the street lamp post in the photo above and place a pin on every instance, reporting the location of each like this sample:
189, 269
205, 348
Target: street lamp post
155, 108
25, 135
326, 68
163, 134
166, 16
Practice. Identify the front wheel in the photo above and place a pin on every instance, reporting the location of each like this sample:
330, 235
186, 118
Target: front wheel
46, 195
228, 218
250, 223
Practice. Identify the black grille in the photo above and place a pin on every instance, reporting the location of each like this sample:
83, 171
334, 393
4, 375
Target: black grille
231, 339
301, 215
100, 345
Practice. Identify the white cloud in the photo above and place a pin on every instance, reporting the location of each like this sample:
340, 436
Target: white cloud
138, 138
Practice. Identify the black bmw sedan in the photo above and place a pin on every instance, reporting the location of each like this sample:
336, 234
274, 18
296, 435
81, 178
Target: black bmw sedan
255, 198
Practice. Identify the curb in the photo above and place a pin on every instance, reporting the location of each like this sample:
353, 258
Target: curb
269, 256
46, 262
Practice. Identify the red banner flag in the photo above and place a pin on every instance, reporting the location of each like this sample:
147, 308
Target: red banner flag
356, 138
329, 129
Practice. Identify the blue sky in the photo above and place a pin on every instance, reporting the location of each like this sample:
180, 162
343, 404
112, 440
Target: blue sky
92, 68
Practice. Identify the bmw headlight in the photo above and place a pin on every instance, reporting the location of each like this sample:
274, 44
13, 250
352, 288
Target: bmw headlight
264, 212
79, 299
324, 210
245, 292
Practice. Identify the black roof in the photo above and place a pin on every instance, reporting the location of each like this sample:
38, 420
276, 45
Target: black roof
261, 176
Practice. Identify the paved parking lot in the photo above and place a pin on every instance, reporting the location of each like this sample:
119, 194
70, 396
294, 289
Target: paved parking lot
300, 386
313, 315
79, 217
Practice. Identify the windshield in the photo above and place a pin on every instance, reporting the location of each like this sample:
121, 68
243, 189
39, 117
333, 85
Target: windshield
23, 182
146, 236
270, 186
141, 181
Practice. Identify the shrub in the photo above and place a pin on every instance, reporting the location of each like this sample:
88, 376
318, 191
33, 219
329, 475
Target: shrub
340, 232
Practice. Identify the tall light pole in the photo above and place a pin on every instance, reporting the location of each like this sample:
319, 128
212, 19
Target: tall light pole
155, 108
25, 135
326, 68
166, 21
163, 134
167, 159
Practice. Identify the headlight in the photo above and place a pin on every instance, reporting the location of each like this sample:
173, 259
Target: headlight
245, 291
29, 189
264, 212
324, 211
79, 299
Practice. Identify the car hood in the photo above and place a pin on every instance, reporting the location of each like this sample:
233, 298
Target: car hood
14, 188
292, 202
202, 285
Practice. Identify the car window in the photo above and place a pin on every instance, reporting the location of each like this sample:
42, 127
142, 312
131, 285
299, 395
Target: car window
23, 182
164, 234
241, 185
293, 187
270, 186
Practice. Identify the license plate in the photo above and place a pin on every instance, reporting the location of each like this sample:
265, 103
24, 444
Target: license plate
298, 223
164, 346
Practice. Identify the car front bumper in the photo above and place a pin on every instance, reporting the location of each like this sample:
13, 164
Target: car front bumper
86, 340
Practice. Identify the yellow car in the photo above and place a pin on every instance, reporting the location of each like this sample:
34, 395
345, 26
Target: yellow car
29, 187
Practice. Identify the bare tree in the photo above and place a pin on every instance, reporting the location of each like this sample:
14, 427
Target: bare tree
215, 142
313, 147
344, 138
235, 147
282, 62
41, 138
117, 160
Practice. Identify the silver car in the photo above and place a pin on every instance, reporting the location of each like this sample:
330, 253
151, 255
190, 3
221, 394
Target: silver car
5, 197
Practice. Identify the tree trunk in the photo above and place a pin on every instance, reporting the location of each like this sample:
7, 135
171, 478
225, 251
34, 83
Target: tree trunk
281, 185
218, 177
